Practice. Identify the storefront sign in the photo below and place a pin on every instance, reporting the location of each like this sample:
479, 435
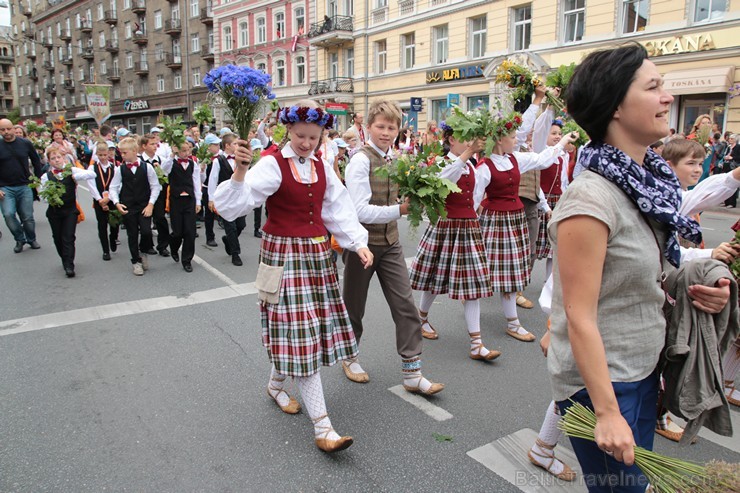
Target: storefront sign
141, 104
453, 100
336, 108
415, 104
680, 44
699, 81
457, 73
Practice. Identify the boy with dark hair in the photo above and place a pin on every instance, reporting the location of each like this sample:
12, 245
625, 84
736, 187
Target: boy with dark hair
99, 184
148, 145
184, 184
223, 168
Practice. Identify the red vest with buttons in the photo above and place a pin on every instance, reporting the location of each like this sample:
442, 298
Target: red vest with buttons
460, 205
502, 194
295, 208
550, 178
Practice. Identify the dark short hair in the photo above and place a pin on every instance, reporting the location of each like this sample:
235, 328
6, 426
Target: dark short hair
105, 129
599, 85
656, 144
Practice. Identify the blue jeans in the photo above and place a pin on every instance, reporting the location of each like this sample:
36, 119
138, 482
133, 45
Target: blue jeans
638, 402
19, 200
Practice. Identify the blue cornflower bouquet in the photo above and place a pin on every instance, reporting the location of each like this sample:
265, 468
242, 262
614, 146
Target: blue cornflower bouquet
243, 90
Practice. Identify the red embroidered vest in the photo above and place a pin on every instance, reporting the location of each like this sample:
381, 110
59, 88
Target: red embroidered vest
502, 194
460, 205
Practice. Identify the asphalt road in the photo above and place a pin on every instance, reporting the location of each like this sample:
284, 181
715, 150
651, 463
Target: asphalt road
109, 382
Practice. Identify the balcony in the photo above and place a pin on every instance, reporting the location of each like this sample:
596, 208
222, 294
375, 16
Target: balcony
67, 60
111, 46
86, 26
30, 34
110, 17
329, 87
37, 96
140, 38
114, 75
138, 7
48, 66
66, 36
32, 55
141, 68
26, 10
173, 61
379, 15
206, 15
206, 53
69, 84
88, 53
173, 27
334, 31
34, 75
47, 43
7, 59
51, 89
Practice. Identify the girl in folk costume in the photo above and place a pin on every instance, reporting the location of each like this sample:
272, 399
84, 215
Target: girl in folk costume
304, 321
503, 221
451, 257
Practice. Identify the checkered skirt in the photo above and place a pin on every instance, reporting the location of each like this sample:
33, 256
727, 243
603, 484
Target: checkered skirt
309, 327
543, 247
506, 239
451, 259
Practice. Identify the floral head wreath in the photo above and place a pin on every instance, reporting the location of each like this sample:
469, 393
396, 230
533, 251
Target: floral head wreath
503, 125
296, 114
444, 127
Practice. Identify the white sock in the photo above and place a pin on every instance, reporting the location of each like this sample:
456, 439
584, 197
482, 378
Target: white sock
472, 319
412, 377
275, 385
354, 366
512, 318
312, 393
425, 304
549, 435
548, 268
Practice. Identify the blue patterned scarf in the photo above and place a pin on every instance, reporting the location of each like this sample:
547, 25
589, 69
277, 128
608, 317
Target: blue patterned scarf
653, 187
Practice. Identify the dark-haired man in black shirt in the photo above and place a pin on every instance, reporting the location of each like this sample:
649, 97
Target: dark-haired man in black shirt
16, 199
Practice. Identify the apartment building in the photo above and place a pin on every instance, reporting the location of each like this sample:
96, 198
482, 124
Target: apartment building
8, 83
269, 35
154, 54
443, 52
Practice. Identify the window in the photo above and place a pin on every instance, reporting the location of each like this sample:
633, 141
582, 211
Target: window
439, 109
196, 77
159, 52
100, 11
114, 35
243, 34
279, 73
299, 21
101, 40
194, 8
127, 30
349, 62
331, 8
129, 60
130, 89
64, 101
126, 4
634, 15
82, 74
59, 28
333, 65
146, 124
280, 25
522, 17
478, 37
349, 7
103, 68
441, 43
160, 83
408, 51
573, 20
176, 50
131, 125
228, 43
116, 93
194, 43
73, 100
177, 80
261, 30
175, 13
709, 10
261, 66
300, 70
380, 56
157, 19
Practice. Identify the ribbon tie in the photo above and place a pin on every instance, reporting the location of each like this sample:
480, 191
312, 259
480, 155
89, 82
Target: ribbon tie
57, 171
231, 157
183, 161
132, 165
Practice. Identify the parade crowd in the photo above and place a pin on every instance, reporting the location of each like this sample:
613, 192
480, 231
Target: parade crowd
616, 222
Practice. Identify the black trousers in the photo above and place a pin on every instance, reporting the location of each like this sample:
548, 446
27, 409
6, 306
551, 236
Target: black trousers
182, 220
102, 217
210, 217
160, 220
139, 231
233, 229
257, 219
63, 225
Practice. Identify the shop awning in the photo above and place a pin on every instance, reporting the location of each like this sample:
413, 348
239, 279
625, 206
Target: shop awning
699, 81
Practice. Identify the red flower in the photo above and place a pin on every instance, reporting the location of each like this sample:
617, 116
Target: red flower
509, 125
518, 120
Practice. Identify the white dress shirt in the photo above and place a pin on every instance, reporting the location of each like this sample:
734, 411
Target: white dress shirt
197, 180
357, 179
91, 181
115, 185
235, 199
215, 171
78, 175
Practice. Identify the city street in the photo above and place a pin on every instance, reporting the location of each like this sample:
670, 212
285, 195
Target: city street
111, 382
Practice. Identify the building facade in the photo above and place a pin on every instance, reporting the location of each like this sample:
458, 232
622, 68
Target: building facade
269, 35
153, 54
8, 82
445, 52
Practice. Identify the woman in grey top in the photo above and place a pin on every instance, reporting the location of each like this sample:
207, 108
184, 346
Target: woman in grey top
614, 232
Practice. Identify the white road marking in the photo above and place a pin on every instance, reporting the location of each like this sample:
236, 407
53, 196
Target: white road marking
422, 404
731, 443
95, 313
214, 271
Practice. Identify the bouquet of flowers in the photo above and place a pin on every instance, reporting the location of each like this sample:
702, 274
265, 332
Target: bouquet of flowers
418, 180
203, 115
666, 474
53, 190
203, 155
571, 126
243, 90
523, 81
173, 131
561, 78
482, 124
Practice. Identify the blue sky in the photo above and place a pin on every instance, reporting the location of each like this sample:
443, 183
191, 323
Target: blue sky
4, 16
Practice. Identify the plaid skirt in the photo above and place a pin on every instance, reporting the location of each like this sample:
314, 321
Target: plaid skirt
506, 238
543, 248
309, 326
451, 259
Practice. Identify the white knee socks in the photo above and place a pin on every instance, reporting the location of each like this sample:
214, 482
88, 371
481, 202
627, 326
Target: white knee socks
412, 377
425, 304
312, 393
508, 300
472, 320
549, 435
275, 386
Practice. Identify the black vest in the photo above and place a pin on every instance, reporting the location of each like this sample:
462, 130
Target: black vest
181, 180
69, 198
135, 190
106, 177
224, 169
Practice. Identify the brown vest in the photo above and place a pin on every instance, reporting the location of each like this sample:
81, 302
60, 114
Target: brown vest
384, 193
530, 185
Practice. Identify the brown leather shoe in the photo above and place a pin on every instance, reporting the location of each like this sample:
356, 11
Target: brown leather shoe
355, 377
293, 407
331, 446
567, 474
528, 337
434, 389
522, 301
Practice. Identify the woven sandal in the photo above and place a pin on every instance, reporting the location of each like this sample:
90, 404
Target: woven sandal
567, 474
